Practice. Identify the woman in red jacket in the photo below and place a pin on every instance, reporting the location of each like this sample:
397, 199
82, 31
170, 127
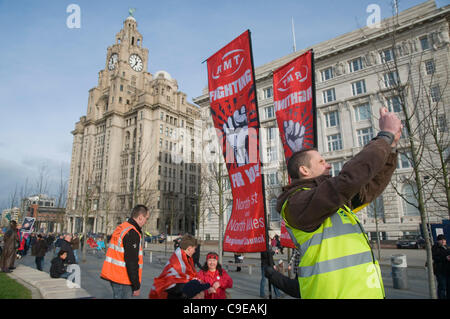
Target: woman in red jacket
218, 278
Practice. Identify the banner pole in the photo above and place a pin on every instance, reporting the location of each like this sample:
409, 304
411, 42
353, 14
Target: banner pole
314, 108
261, 166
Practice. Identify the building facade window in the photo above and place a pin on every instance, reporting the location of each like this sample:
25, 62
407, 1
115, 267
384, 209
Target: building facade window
332, 119
334, 142
394, 104
362, 112
424, 43
442, 123
387, 55
355, 64
359, 87
271, 152
336, 167
327, 74
272, 178
391, 79
274, 215
429, 67
269, 112
268, 92
409, 200
270, 133
435, 93
376, 208
329, 95
404, 160
364, 135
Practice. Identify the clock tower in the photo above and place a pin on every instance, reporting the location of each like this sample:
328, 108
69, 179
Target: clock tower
124, 148
124, 75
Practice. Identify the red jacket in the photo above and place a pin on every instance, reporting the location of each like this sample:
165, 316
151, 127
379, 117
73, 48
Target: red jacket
211, 277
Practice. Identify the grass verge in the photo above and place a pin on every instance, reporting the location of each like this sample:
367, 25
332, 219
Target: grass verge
11, 289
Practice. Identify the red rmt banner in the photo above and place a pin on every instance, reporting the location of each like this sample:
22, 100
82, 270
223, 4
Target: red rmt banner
232, 98
294, 102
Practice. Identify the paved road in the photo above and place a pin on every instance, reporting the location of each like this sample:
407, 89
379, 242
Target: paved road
245, 286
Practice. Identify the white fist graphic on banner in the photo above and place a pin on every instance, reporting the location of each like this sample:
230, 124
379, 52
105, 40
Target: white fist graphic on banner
294, 133
236, 130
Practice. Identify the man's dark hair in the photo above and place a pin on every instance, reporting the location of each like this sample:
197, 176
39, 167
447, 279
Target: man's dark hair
139, 210
300, 158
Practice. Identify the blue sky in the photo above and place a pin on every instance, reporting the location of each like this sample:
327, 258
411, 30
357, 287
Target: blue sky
46, 69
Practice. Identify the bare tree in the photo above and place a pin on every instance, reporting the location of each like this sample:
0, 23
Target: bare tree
408, 91
41, 183
62, 190
217, 196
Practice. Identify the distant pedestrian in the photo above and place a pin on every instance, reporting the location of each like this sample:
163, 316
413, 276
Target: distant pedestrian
39, 249
66, 244
50, 241
266, 260
75, 246
441, 266
278, 244
10, 240
124, 257
238, 259
58, 244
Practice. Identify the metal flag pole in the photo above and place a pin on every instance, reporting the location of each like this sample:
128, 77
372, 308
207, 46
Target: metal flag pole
261, 165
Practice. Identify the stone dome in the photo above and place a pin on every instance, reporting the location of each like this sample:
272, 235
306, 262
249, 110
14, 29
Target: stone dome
165, 74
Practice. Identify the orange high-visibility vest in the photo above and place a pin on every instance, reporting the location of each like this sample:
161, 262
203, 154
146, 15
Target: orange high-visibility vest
114, 268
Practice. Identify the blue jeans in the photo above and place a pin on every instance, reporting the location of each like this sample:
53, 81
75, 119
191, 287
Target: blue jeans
121, 291
65, 275
75, 252
262, 285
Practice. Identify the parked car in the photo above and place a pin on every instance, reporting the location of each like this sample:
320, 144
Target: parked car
411, 241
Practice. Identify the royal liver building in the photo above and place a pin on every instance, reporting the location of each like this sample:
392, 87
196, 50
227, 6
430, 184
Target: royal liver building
403, 63
135, 145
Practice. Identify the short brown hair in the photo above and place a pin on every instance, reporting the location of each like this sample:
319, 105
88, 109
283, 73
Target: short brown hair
300, 158
188, 240
139, 210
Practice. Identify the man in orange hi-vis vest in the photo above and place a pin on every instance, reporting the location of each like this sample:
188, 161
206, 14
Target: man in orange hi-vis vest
124, 257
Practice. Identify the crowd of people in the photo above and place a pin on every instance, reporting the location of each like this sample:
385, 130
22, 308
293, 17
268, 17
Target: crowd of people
178, 280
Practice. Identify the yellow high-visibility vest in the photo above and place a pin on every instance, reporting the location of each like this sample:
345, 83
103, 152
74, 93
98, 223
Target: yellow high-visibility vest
336, 260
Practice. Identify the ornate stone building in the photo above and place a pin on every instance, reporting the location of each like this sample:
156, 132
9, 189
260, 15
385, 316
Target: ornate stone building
356, 74
133, 146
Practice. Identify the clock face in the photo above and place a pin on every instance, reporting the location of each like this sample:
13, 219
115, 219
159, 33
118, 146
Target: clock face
136, 62
113, 61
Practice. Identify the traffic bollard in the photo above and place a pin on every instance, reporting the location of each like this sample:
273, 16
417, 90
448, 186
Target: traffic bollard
399, 271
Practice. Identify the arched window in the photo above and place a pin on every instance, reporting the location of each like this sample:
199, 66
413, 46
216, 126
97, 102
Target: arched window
409, 200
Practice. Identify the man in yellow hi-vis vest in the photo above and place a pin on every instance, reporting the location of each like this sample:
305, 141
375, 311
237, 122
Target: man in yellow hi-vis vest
336, 257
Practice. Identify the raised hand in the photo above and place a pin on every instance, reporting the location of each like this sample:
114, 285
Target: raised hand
294, 133
236, 131
390, 122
